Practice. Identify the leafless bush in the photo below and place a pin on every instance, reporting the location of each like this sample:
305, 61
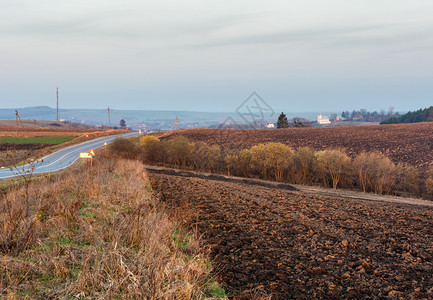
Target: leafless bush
204, 157
363, 166
408, 179
239, 164
280, 159
370, 171
124, 148
429, 183
332, 165
375, 172
178, 151
304, 162
152, 150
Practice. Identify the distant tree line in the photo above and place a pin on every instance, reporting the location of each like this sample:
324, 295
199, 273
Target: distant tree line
368, 171
421, 115
296, 122
366, 116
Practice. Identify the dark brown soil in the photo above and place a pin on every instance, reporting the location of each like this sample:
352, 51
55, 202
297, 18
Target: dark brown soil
409, 143
295, 245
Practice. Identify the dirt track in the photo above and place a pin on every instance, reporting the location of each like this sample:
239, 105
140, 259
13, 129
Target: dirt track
292, 187
293, 244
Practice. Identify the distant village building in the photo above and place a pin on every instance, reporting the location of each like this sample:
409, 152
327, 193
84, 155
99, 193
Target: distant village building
322, 120
270, 125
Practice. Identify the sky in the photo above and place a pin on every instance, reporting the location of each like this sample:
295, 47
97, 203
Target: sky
298, 55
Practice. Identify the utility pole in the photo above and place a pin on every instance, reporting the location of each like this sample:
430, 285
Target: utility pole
57, 96
109, 123
174, 125
17, 118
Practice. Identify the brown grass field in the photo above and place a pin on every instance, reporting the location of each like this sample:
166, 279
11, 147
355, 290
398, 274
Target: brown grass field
408, 143
96, 233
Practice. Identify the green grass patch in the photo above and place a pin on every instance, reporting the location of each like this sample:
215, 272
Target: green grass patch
214, 289
54, 140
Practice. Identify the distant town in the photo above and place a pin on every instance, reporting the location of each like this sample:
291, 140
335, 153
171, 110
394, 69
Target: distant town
167, 120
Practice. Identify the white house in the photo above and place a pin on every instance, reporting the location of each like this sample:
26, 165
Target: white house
322, 120
270, 125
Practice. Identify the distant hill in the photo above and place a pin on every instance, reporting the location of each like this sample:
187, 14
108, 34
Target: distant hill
46, 124
421, 115
135, 119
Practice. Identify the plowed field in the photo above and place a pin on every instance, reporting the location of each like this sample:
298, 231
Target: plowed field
295, 245
410, 143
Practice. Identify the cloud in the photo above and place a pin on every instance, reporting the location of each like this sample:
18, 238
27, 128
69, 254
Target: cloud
154, 45
289, 36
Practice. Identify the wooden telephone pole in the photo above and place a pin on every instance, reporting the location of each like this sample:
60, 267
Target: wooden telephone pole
57, 96
174, 126
17, 117
109, 123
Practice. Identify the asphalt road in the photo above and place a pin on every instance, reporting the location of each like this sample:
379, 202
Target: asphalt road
66, 157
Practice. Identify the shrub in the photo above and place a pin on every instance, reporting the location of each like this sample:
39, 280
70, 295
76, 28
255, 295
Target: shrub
258, 160
429, 185
271, 159
198, 155
375, 172
214, 158
408, 179
152, 151
204, 157
429, 182
385, 178
124, 148
304, 161
239, 164
178, 151
332, 165
279, 159
363, 167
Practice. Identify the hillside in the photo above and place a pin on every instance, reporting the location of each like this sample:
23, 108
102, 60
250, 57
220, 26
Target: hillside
151, 119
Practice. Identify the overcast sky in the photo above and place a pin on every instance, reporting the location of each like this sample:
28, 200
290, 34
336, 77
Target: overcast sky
299, 55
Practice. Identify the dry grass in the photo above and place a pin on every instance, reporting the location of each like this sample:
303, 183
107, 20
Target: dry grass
99, 233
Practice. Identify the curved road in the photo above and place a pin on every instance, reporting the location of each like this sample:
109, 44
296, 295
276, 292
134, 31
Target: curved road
67, 156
